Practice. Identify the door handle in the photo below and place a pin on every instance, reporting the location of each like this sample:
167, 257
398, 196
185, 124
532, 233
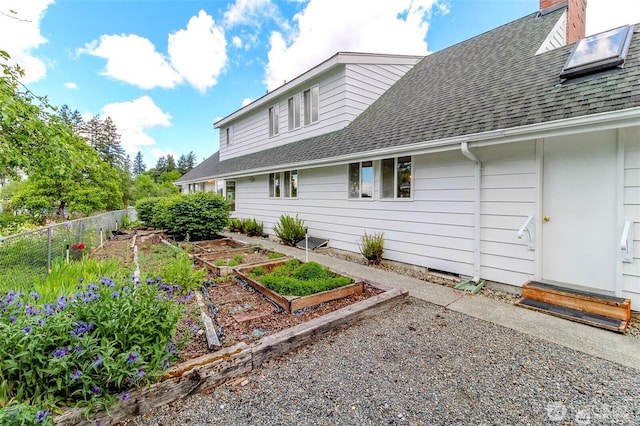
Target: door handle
546, 218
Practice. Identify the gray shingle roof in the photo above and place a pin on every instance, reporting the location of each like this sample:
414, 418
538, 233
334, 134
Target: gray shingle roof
490, 82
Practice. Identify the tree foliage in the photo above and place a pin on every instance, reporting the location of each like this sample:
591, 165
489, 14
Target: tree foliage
138, 165
63, 172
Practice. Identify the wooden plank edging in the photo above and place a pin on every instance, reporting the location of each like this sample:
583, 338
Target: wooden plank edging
208, 371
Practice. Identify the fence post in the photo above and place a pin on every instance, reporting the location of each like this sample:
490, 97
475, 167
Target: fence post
49, 249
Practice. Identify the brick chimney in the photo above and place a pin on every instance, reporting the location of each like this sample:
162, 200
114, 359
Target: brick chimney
576, 16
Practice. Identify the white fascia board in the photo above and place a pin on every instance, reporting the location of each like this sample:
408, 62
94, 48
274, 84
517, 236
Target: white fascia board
338, 59
590, 123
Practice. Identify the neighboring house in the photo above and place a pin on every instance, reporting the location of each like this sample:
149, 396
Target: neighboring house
482, 160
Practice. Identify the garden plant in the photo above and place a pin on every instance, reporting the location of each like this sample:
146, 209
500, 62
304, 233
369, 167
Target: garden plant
290, 229
295, 278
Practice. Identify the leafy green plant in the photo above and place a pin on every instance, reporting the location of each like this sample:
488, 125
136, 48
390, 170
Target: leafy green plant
251, 227
372, 247
297, 279
87, 348
290, 230
144, 209
235, 224
179, 269
21, 413
258, 271
201, 215
237, 259
274, 255
64, 277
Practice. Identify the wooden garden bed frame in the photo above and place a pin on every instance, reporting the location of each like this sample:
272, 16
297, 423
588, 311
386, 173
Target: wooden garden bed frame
293, 303
204, 373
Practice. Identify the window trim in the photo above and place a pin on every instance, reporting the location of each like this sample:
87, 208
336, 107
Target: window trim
350, 190
293, 112
314, 105
274, 120
281, 179
396, 188
232, 205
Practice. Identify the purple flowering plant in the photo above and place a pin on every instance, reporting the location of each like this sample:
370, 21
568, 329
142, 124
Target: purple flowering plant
89, 346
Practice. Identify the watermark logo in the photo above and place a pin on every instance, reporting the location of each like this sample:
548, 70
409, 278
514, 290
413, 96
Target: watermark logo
556, 411
587, 415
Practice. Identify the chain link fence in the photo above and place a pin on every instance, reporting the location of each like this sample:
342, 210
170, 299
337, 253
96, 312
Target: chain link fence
26, 258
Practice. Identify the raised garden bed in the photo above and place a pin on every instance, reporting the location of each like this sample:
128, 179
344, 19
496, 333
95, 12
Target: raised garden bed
223, 262
253, 331
218, 245
292, 303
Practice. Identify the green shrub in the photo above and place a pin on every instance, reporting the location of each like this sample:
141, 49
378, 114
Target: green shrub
372, 247
161, 211
12, 224
201, 215
290, 230
252, 228
144, 209
235, 224
274, 255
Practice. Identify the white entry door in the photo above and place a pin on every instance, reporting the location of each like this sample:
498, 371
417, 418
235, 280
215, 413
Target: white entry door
579, 211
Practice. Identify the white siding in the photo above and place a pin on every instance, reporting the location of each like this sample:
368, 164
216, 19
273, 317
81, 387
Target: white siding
251, 133
366, 82
631, 198
345, 92
509, 193
557, 37
435, 229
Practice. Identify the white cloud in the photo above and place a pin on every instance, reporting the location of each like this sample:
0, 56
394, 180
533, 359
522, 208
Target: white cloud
198, 53
604, 15
157, 153
249, 12
134, 60
398, 26
71, 85
236, 41
246, 101
133, 118
20, 34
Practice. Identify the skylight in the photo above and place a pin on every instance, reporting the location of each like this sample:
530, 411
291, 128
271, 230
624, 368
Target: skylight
598, 52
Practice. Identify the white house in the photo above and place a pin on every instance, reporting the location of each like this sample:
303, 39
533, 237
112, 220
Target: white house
512, 156
324, 99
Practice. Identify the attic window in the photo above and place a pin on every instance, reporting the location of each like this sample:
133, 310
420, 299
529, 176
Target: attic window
598, 52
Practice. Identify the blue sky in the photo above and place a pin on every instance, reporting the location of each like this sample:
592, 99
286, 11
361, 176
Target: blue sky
166, 70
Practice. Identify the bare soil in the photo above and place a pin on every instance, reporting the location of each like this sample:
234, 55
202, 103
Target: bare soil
239, 313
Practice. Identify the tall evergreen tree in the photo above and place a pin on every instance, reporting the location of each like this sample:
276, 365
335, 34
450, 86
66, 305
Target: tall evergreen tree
112, 151
138, 165
186, 162
171, 163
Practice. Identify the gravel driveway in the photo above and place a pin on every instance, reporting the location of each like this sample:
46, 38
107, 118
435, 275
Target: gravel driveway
421, 364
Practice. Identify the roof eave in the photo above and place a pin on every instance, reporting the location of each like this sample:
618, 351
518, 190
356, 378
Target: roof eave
595, 122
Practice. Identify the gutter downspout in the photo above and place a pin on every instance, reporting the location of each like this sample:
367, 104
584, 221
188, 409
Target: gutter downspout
464, 147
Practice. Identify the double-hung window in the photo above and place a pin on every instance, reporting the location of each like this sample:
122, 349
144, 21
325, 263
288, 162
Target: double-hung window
310, 104
274, 116
230, 189
361, 180
396, 177
294, 111
283, 184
